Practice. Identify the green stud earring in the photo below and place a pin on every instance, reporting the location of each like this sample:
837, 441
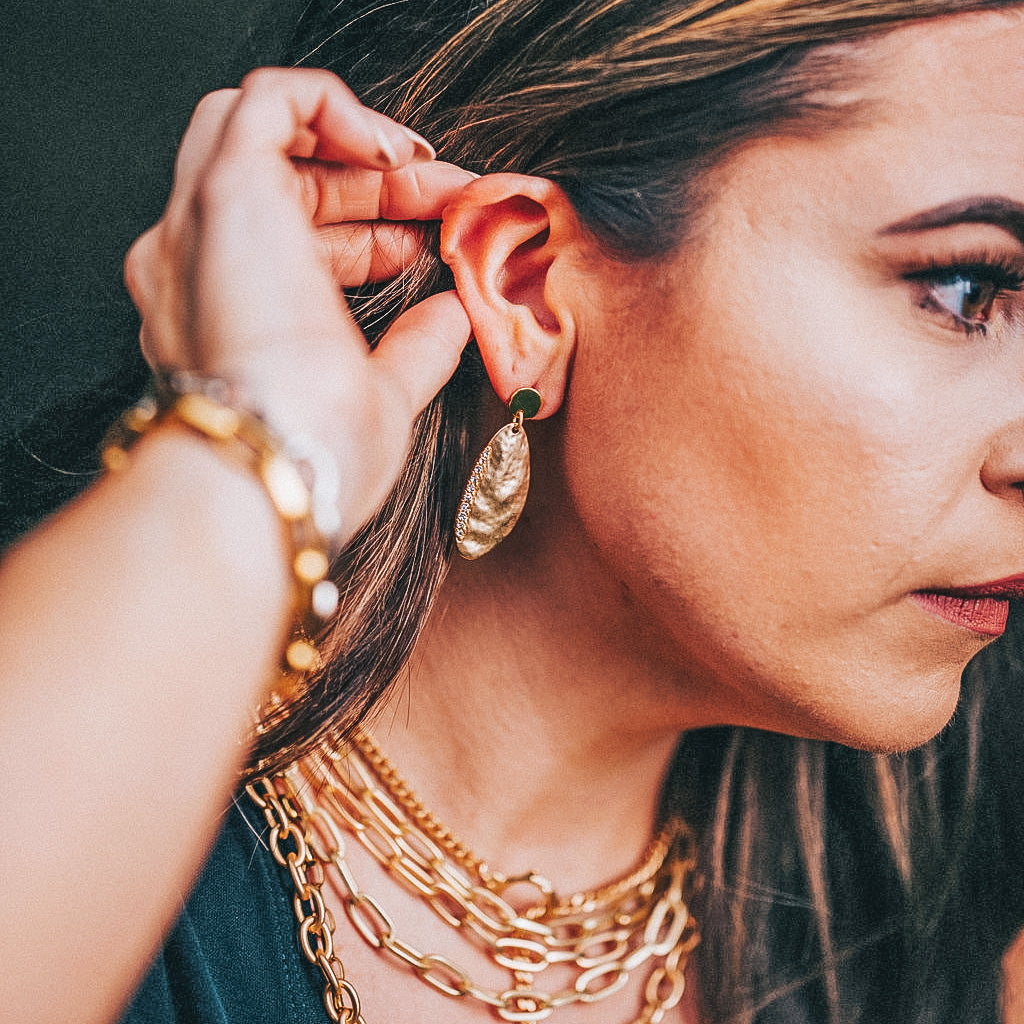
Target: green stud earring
496, 490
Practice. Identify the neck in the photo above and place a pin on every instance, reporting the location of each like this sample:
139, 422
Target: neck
533, 722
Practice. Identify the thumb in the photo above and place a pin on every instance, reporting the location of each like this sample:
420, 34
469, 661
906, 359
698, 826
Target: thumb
422, 348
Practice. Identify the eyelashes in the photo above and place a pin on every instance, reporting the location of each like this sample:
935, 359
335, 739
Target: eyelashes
968, 292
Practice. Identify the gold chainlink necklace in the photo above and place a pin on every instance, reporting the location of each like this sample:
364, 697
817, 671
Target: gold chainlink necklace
600, 937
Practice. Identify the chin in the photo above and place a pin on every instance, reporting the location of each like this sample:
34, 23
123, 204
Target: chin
900, 717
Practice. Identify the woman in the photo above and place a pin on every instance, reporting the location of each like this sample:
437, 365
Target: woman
760, 262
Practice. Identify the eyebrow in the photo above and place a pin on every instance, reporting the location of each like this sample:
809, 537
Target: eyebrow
996, 210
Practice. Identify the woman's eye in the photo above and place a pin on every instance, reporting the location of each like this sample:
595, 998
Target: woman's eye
967, 298
966, 295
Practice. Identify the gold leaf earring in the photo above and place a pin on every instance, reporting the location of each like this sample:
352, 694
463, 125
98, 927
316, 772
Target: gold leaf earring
497, 487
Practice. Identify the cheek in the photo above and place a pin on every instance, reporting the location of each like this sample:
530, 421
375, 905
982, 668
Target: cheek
750, 448
765, 489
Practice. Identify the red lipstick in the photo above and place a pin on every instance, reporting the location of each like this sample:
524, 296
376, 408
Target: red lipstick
982, 608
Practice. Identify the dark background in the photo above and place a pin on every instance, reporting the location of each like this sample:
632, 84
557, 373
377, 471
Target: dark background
96, 95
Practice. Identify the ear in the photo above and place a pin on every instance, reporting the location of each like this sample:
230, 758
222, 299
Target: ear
512, 242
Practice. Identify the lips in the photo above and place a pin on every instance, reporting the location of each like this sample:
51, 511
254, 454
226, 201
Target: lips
982, 608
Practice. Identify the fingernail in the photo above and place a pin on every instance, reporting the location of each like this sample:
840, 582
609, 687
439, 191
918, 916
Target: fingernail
422, 150
386, 155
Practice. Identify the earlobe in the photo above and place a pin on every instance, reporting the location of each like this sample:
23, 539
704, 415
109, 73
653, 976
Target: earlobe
510, 240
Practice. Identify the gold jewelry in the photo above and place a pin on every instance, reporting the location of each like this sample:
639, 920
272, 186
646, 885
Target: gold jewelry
292, 845
398, 789
300, 483
601, 936
496, 490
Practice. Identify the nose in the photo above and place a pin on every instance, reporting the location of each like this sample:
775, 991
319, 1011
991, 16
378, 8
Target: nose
1003, 470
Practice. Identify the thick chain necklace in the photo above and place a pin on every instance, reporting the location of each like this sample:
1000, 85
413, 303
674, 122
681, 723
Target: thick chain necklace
600, 937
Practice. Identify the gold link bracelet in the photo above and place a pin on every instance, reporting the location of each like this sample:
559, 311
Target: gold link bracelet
302, 489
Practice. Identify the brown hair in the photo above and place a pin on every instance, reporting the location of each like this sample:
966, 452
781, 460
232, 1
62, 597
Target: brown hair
625, 104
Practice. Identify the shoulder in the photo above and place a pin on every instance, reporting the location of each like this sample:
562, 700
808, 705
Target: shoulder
232, 957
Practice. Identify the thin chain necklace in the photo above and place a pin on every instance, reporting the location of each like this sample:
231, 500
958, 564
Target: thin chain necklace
651, 861
601, 936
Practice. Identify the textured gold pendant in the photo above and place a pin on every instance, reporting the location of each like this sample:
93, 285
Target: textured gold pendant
496, 492
497, 487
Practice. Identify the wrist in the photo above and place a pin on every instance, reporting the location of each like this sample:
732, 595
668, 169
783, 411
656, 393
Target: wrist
298, 479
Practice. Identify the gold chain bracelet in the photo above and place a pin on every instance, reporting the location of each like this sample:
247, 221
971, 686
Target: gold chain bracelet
300, 483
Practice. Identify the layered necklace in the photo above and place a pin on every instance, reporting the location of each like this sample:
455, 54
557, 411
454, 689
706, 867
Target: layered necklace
597, 939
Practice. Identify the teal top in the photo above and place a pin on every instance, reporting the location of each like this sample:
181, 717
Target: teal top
233, 956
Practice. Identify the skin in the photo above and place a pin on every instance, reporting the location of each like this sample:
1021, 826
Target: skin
1013, 983
744, 513
802, 444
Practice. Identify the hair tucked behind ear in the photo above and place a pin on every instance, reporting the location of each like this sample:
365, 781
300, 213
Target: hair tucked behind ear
625, 104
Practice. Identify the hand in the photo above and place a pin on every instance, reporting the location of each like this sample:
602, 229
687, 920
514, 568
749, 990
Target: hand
280, 188
1012, 995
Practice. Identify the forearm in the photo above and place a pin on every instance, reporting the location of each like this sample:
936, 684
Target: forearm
140, 628
141, 625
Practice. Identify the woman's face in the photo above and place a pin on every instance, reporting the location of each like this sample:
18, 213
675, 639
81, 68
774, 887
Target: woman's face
800, 444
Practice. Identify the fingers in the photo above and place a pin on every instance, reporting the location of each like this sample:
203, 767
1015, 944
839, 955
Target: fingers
137, 262
368, 252
422, 348
202, 135
420, 191
271, 110
356, 211
286, 190
254, 205
279, 108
